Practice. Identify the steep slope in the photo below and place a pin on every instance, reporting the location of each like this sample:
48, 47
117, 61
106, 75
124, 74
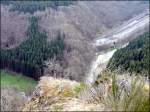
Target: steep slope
79, 22
13, 27
28, 58
134, 57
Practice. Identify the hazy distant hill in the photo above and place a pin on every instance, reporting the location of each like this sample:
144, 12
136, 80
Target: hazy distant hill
32, 6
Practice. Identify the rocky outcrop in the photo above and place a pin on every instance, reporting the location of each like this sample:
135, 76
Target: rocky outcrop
58, 95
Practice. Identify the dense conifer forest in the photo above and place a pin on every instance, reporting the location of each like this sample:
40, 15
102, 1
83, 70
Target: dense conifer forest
28, 58
32, 5
134, 57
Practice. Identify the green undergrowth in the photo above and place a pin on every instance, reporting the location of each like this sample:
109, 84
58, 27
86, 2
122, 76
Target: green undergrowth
18, 81
79, 88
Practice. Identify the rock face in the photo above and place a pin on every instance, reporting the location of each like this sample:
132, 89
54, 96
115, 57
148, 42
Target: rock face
57, 95
80, 23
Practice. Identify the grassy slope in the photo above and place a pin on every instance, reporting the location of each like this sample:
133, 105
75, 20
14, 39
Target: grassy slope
20, 82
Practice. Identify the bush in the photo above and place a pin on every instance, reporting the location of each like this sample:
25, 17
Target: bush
120, 93
12, 99
79, 88
135, 99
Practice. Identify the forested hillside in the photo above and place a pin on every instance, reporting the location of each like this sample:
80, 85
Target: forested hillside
32, 5
81, 22
134, 57
29, 57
